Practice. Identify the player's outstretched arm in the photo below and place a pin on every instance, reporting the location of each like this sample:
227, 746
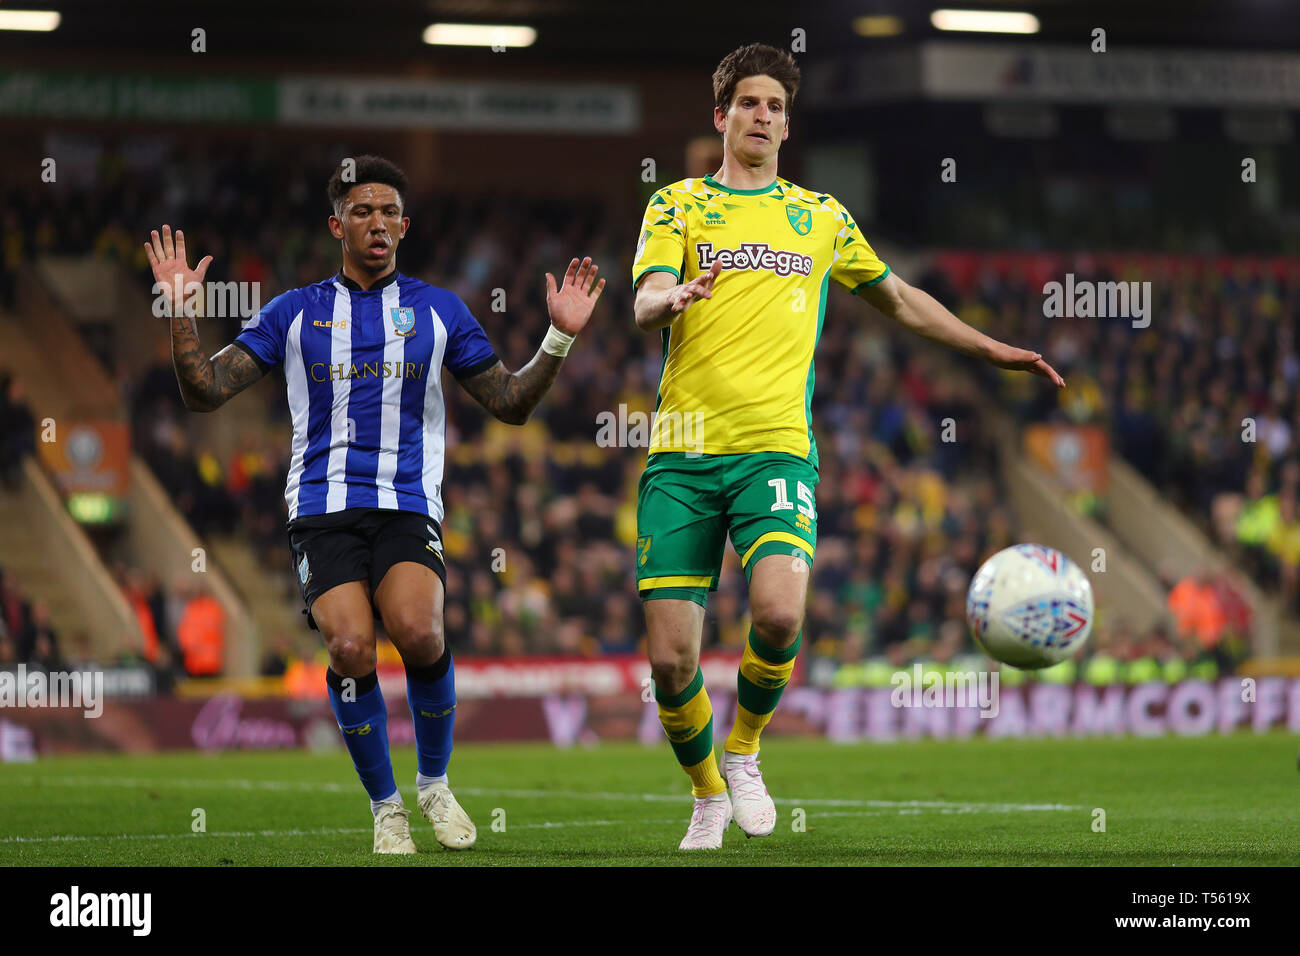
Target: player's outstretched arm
512, 396
918, 311
206, 384
659, 299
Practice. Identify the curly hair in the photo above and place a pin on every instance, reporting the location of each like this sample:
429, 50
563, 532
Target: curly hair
368, 169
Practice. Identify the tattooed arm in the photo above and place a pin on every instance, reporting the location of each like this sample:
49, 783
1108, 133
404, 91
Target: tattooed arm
512, 396
206, 384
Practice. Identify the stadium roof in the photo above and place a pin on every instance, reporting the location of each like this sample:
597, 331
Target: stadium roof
664, 32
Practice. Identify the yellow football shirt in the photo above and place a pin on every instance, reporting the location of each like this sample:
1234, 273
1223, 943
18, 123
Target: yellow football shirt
738, 368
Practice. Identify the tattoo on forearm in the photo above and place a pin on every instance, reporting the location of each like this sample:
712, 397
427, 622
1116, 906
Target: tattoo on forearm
207, 384
512, 396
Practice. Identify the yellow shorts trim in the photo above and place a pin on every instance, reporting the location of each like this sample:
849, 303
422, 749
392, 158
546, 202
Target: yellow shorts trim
675, 581
785, 536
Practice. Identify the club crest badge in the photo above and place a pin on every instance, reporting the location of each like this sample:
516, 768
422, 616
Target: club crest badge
403, 320
800, 219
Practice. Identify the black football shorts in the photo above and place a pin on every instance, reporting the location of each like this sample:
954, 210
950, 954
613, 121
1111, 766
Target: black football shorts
360, 544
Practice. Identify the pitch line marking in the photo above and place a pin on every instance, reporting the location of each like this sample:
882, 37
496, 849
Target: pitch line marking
353, 788
322, 831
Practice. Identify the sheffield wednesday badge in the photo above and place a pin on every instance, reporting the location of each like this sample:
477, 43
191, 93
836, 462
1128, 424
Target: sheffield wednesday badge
403, 320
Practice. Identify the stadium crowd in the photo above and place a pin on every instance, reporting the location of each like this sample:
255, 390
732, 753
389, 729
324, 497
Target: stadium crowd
1203, 401
540, 520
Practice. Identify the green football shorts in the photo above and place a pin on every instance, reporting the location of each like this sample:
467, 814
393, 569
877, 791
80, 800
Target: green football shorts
688, 504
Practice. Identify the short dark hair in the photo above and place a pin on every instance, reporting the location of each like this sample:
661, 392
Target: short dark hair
366, 169
756, 59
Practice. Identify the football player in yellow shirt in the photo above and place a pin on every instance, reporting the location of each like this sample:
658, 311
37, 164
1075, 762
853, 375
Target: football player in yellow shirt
733, 271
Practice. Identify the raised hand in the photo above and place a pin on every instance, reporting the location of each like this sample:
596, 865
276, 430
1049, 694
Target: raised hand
701, 287
170, 268
570, 306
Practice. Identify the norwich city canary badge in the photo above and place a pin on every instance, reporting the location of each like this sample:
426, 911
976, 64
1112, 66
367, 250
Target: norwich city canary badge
800, 218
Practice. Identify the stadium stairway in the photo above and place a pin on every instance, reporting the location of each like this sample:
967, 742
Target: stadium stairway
1144, 536
106, 300
1169, 542
266, 601
65, 381
137, 340
1127, 589
52, 560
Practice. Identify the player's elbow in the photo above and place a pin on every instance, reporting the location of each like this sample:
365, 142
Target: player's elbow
194, 403
514, 416
648, 320
641, 314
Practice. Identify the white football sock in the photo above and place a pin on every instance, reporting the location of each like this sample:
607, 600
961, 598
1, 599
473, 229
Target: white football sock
422, 782
395, 797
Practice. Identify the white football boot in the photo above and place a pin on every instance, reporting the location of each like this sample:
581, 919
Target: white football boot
393, 829
709, 821
755, 812
451, 824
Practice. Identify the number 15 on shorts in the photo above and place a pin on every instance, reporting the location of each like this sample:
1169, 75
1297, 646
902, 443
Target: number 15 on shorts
783, 502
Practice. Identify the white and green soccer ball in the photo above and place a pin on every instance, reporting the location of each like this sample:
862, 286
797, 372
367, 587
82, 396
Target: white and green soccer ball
1029, 606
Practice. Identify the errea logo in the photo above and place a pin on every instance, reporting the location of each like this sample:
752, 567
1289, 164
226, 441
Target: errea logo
754, 256
714, 218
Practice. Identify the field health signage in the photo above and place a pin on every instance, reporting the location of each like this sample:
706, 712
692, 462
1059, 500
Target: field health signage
91, 96
328, 101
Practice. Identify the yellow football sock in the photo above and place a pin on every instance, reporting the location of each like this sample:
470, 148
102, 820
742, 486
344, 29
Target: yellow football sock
688, 721
764, 672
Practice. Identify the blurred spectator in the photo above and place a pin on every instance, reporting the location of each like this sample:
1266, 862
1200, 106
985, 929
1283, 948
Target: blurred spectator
1198, 613
202, 635
17, 430
39, 643
165, 671
134, 584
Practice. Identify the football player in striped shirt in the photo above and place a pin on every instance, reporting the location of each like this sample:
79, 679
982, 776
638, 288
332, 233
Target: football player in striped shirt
732, 270
363, 354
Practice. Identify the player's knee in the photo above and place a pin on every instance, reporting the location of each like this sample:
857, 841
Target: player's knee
672, 670
777, 625
352, 654
417, 637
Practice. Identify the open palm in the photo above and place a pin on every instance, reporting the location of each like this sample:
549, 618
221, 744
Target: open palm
571, 305
170, 269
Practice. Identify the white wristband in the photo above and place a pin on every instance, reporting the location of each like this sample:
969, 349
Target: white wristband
557, 342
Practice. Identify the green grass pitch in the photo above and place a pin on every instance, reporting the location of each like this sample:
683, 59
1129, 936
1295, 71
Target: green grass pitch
1180, 801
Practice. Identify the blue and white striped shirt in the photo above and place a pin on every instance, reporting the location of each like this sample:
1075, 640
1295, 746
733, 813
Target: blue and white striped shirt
364, 370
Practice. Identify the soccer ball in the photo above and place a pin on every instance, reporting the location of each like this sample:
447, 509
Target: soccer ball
1029, 606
